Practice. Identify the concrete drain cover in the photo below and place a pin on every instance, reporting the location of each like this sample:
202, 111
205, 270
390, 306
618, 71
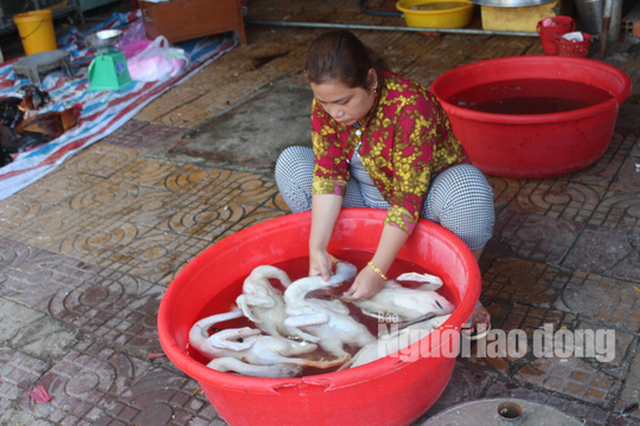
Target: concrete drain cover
485, 412
253, 135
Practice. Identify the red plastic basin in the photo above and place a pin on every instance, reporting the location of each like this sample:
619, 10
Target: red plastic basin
386, 392
534, 146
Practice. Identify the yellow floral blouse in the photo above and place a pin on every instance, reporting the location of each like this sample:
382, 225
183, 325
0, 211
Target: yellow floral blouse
406, 140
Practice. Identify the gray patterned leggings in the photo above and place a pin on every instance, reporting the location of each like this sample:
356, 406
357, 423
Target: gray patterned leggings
459, 199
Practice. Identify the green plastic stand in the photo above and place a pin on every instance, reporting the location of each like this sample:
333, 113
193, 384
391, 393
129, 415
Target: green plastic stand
108, 71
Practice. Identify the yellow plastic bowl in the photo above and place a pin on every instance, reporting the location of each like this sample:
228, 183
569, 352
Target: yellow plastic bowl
436, 13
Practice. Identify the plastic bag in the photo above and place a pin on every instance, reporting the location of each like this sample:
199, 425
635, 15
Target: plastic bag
574, 37
130, 50
158, 61
133, 32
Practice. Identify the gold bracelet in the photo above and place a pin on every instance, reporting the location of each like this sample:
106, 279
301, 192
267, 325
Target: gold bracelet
377, 270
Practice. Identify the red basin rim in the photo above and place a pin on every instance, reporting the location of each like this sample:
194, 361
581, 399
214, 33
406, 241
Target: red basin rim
335, 380
612, 80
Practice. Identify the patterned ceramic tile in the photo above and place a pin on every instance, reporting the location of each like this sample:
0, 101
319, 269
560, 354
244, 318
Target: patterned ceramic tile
251, 189
627, 405
533, 319
605, 345
191, 178
627, 178
603, 172
464, 385
618, 210
47, 338
257, 216
19, 373
158, 254
492, 357
536, 237
178, 95
514, 340
206, 221
121, 136
96, 239
278, 203
521, 281
239, 74
21, 417
504, 190
30, 276
151, 136
205, 205
101, 160
629, 115
221, 186
159, 397
112, 306
53, 226
558, 199
125, 202
632, 138
59, 186
622, 419
606, 251
147, 172
16, 210
605, 300
82, 383
574, 378
122, 246
119, 309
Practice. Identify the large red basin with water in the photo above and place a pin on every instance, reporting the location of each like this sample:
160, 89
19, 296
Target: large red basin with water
390, 391
540, 145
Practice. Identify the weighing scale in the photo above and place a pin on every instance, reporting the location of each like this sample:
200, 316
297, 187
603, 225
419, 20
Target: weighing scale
109, 69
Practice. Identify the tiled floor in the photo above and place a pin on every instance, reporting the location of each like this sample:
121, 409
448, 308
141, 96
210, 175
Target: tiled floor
87, 251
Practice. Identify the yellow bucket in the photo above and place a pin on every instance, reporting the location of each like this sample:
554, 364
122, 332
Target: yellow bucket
436, 13
36, 31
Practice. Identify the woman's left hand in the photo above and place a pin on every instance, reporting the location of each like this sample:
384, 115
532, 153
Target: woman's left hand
367, 283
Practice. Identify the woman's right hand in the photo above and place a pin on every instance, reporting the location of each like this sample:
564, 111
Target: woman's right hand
324, 212
320, 264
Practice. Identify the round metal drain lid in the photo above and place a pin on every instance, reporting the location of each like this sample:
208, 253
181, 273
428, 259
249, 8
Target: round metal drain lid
485, 412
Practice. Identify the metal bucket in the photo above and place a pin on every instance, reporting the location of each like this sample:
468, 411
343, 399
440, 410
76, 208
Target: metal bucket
590, 13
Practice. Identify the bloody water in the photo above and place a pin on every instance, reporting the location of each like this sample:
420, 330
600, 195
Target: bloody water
298, 268
529, 96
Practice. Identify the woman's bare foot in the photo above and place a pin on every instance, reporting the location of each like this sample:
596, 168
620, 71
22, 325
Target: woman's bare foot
480, 322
